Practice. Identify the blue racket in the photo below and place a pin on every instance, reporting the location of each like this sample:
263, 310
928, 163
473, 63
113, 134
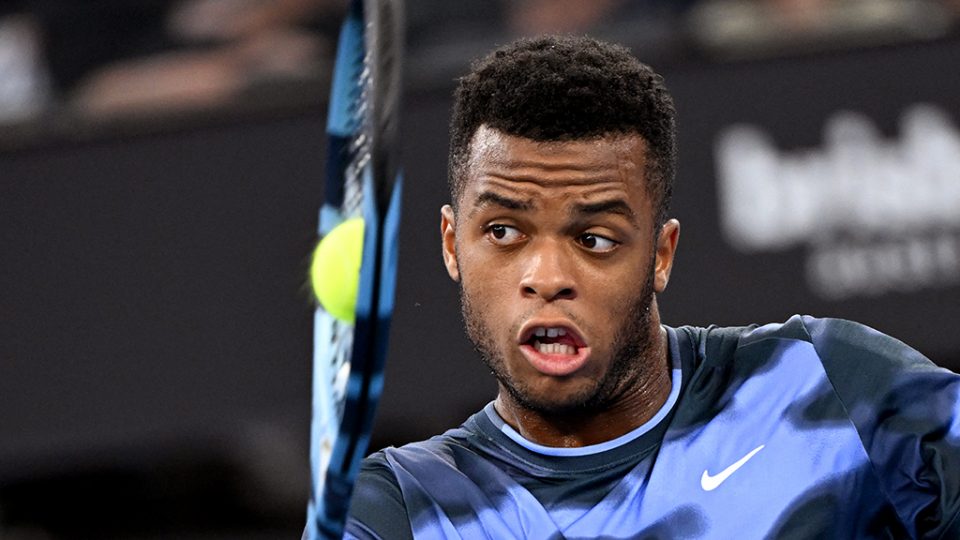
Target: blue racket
362, 180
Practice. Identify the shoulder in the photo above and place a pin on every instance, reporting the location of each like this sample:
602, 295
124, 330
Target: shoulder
865, 369
906, 411
377, 509
378, 477
857, 359
375, 470
836, 342
383, 499
839, 341
903, 410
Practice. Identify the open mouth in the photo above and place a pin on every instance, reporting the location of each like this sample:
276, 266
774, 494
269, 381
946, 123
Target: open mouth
554, 340
556, 350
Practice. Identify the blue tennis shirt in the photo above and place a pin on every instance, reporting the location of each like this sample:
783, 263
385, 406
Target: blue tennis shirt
814, 428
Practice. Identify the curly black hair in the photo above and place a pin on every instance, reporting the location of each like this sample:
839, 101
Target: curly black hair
556, 88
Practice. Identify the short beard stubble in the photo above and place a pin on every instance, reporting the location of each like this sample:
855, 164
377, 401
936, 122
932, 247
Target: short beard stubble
631, 345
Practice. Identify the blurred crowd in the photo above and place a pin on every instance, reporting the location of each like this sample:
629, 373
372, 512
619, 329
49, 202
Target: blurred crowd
108, 58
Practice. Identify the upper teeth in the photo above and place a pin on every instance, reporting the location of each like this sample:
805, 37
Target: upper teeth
550, 332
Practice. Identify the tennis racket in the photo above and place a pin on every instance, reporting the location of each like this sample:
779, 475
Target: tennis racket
362, 179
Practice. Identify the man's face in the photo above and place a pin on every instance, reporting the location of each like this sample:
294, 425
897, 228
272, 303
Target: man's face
554, 249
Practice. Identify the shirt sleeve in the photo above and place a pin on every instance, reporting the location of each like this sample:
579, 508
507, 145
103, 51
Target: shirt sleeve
377, 509
907, 413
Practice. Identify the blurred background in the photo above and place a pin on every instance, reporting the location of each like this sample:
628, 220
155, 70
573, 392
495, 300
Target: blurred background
160, 174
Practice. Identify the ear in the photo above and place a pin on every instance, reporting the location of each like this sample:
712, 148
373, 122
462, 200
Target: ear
448, 238
666, 250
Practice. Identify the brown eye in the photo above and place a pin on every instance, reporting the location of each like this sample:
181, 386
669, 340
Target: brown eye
597, 243
503, 234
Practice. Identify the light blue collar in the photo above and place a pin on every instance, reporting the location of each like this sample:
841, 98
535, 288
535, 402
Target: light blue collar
676, 378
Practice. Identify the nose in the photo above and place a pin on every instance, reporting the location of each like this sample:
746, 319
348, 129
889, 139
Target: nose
549, 274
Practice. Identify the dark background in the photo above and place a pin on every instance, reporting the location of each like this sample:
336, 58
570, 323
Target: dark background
155, 325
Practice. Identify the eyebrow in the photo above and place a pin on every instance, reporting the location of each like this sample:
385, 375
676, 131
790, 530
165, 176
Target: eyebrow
612, 206
488, 198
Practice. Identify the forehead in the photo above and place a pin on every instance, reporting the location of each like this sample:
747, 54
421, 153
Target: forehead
614, 162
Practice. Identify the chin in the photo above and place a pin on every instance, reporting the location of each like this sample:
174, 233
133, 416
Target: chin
553, 401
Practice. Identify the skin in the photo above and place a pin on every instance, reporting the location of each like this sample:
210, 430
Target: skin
562, 234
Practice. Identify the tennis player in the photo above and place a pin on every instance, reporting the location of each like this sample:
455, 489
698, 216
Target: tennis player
607, 423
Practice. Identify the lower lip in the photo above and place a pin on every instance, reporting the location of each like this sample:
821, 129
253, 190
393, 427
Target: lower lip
555, 365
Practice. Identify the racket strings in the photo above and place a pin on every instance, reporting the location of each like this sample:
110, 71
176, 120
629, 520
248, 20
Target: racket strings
359, 148
342, 343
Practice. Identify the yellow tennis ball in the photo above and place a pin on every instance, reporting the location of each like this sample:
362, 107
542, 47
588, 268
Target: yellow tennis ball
335, 269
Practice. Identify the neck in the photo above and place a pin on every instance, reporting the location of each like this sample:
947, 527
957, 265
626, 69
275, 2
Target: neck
638, 401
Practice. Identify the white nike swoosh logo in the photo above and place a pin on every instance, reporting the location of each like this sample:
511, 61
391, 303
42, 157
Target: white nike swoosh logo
710, 483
